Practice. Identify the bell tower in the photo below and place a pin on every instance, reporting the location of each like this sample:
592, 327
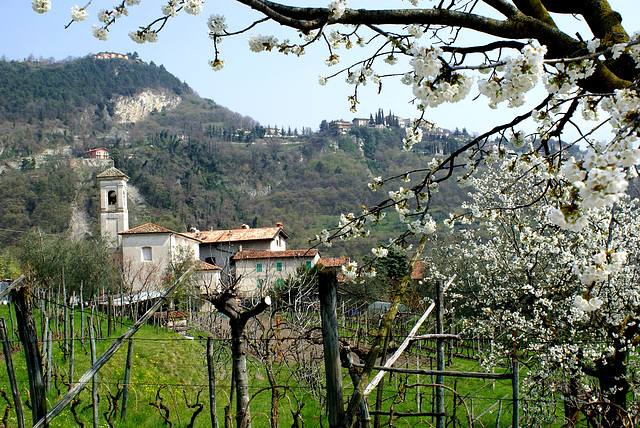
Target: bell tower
114, 214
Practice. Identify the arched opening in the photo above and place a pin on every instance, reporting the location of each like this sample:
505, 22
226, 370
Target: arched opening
111, 197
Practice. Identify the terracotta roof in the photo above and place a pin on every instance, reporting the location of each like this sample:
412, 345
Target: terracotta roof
147, 228
172, 314
266, 254
235, 235
334, 261
418, 270
112, 173
200, 265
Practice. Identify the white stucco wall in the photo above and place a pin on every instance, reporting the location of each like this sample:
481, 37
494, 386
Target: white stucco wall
249, 276
147, 274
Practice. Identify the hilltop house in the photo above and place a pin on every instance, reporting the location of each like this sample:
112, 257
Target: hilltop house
99, 153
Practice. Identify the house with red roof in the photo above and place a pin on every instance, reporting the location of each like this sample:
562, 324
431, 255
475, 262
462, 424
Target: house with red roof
257, 269
148, 250
219, 247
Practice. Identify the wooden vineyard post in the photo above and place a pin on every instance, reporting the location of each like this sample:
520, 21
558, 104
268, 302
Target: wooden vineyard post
81, 313
380, 390
94, 378
212, 384
327, 289
29, 338
516, 394
72, 337
440, 418
127, 379
6, 349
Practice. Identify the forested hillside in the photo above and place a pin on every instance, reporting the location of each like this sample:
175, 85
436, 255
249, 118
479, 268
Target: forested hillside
196, 164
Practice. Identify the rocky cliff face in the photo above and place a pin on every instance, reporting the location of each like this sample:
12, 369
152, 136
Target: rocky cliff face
133, 109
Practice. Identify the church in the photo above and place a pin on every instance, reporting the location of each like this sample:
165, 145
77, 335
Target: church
255, 259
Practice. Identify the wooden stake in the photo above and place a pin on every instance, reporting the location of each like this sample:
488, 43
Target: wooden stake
212, 384
6, 349
29, 338
72, 337
127, 379
94, 378
327, 290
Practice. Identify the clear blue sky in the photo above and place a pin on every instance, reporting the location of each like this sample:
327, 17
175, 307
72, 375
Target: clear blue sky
269, 87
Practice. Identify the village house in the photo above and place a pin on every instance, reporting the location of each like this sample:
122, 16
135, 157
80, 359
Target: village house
257, 258
258, 269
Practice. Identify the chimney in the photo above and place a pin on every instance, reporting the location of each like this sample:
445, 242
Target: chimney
245, 226
279, 224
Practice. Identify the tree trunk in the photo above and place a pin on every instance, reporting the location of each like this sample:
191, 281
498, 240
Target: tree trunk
612, 373
228, 305
239, 357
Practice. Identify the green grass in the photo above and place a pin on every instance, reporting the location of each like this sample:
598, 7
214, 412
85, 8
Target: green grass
177, 366
162, 360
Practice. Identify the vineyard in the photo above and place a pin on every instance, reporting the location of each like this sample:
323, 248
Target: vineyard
177, 369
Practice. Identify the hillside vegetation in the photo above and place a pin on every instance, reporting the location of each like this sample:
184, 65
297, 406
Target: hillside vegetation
195, 165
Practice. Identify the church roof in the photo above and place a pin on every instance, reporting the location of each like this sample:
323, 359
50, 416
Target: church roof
238, 235
147, 228
112, 172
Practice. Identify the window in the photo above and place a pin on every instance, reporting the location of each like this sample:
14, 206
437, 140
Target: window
279, 282
111, 197
308, 264
259, 267
146, 254
260, 283
279, 266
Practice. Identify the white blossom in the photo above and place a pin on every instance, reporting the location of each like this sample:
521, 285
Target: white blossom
337, 8
217, 24
41, 6
217, 65
99, 33
380, 252
590, 305
193, 7
350, 270
259, 43
78, 14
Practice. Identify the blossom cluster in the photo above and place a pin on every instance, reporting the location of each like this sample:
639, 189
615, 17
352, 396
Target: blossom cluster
41, 6
337, 8
519, 76
78, 14
258, 43
143, 36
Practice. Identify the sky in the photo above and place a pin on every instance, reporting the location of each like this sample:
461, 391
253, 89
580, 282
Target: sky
273, 89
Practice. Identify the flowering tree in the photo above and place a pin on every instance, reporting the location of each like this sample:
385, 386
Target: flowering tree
568, 303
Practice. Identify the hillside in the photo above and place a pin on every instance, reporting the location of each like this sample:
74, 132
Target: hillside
192, 162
